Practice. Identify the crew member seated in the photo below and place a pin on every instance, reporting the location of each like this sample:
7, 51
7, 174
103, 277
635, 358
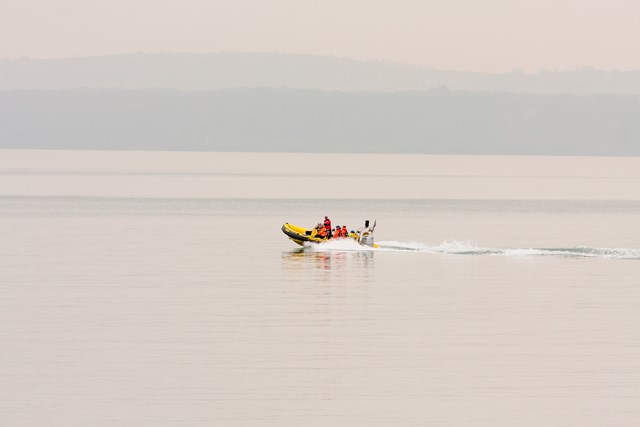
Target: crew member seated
338, 233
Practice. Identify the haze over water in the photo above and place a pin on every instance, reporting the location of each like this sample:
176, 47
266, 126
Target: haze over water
141, 289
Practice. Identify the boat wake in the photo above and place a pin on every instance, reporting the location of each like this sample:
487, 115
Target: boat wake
468, 248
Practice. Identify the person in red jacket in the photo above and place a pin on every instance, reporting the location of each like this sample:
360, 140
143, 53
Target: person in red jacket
327, 224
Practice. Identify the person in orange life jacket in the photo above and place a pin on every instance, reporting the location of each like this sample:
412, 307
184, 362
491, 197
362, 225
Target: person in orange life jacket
327, 224
322, 233
344, 231
338, 233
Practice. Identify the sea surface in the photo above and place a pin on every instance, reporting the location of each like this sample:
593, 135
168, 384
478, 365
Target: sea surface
157, 289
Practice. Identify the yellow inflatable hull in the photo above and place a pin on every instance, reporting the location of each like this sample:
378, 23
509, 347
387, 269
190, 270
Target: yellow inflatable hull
300, 235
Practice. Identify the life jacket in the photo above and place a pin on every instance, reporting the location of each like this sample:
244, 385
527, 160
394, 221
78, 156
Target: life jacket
338, 233
345, 233
322, 232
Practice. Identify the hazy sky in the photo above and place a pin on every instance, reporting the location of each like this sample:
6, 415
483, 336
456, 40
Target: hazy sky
479, 35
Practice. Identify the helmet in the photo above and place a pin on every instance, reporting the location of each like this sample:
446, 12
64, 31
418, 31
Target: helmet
337, 226
352, 231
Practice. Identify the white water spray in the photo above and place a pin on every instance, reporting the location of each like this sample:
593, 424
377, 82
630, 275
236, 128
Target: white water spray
470, 248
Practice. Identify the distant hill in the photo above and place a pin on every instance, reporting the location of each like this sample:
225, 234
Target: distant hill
435, 121
250, 70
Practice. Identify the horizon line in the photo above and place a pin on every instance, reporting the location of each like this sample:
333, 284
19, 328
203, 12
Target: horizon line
388, 62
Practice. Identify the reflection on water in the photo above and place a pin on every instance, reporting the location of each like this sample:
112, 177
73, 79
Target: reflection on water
327, 266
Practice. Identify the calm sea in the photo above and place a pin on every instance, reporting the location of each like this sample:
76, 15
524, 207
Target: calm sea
142, 289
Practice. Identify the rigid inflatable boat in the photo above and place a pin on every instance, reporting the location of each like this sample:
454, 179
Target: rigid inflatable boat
300, 235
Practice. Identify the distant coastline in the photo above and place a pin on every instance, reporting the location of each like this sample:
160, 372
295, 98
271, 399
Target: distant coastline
261, 102
296, 71
437, 121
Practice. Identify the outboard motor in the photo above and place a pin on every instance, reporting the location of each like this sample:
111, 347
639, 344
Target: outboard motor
366, 234
367, 240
